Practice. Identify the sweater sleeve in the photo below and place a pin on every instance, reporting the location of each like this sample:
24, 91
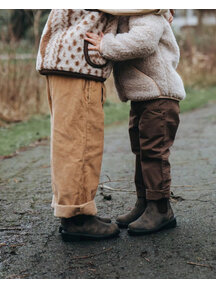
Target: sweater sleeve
140, 42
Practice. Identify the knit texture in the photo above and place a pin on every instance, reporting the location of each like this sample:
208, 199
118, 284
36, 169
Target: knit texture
147, 56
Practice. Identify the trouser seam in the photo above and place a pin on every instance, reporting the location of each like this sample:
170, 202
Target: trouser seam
163, 143
86, 134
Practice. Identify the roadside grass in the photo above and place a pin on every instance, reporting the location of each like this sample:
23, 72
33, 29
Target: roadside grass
15, 136
116, 112
197, 98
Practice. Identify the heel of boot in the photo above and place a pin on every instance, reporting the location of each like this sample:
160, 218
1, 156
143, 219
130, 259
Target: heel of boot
68, 237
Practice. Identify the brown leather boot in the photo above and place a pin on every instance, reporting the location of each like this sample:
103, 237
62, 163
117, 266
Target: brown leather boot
103, 219
157, 216
87, 227
124, 220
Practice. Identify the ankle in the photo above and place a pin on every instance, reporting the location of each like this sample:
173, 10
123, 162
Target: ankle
77, 220
141, 202
162, 205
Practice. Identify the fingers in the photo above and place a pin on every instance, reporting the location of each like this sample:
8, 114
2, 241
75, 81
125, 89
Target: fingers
172, 11
93, 48
170, 19
93, 42
92, 35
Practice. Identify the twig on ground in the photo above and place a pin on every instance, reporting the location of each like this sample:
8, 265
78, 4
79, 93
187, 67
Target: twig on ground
108, 177
92, 270
115, 181
10, 228
199, 200
102, 187
11, 245
177, 198
92, 255
143, 255
194, 188
176, 186
15, 276
22, 275
16, 245
9, 156
3, 244
201, 265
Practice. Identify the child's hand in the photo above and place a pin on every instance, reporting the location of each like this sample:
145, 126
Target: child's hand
95, 40
170, 19
172, 13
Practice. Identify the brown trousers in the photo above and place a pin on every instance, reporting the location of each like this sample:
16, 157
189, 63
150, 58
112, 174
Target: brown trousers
152, 129
77, 137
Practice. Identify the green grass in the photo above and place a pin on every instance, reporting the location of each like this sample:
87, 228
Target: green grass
22, 134
197, 98
115, 112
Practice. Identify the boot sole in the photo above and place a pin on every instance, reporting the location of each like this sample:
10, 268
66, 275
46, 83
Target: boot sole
168, 225
70, 237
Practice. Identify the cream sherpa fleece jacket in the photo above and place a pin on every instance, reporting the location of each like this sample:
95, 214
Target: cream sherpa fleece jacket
62, 47
147, 54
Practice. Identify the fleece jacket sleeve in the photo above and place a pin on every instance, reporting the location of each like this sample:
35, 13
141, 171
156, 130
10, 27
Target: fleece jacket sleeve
140, 42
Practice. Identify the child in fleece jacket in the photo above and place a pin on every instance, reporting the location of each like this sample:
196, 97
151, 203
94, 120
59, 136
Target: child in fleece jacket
146, 56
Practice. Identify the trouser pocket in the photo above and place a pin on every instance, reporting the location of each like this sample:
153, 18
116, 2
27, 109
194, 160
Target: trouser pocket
103, 94
49, 94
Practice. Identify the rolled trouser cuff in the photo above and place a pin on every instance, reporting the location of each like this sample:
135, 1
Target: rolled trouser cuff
157, 194
67, 211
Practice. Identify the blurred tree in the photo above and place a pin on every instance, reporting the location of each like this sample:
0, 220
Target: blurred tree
20, 20
17, 23
36, 24
201, 13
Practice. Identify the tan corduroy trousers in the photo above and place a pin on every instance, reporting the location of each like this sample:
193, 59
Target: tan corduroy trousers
77, 139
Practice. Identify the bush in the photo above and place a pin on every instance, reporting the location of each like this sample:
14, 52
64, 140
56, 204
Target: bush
23, 90
198, 62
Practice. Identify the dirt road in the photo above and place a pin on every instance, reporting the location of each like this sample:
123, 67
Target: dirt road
31, 247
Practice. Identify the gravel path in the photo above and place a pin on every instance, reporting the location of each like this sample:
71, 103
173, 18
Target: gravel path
31, 247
